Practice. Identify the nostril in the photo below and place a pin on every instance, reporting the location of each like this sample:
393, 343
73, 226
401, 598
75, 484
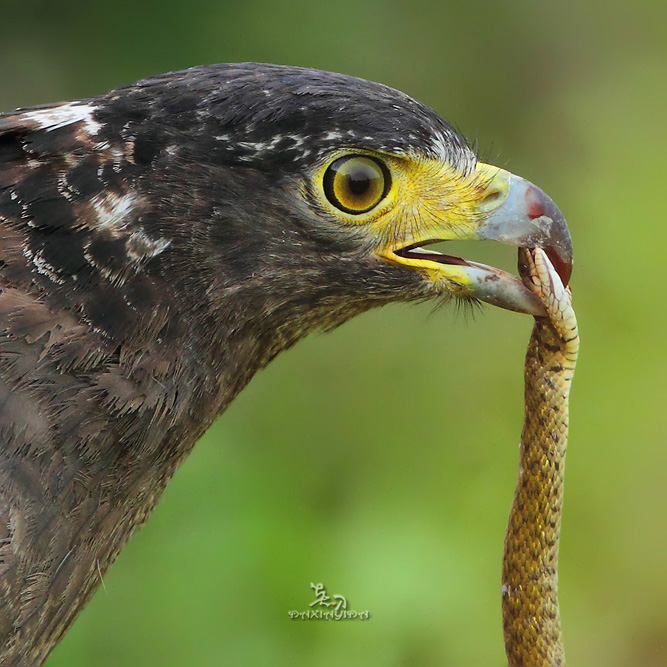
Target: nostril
492, 197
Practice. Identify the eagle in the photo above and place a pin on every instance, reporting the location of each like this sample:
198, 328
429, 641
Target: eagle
162, 243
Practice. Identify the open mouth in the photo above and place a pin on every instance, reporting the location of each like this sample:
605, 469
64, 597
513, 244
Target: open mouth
417, 251
480, 281
524, 218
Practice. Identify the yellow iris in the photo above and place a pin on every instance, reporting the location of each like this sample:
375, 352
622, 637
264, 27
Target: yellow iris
355, 184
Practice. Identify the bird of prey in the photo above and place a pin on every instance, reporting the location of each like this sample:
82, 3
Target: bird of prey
161, 243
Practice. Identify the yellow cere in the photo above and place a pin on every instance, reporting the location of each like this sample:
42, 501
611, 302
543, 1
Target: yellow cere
434, 201
410, 200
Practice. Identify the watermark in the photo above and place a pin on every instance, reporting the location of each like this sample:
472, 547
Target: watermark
335, 608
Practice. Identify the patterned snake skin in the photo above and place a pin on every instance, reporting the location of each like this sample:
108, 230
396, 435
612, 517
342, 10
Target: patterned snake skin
531, 618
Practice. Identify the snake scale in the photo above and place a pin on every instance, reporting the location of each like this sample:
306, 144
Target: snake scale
531, 619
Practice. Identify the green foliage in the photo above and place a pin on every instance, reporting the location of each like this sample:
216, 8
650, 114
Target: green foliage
380, 459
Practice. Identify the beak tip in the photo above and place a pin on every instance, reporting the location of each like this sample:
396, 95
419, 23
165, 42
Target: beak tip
557, 242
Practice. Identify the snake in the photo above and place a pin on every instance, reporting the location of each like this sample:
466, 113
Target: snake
531, 615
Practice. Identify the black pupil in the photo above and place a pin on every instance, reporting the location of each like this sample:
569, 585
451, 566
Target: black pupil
359, 181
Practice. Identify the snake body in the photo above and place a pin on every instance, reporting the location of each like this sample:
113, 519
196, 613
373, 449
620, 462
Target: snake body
531, 619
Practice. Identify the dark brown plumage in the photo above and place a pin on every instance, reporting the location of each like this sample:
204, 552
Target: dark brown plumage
159, 245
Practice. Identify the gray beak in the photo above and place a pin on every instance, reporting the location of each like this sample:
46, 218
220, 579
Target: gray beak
528, 218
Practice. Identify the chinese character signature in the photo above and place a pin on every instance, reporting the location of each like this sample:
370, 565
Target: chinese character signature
323, 600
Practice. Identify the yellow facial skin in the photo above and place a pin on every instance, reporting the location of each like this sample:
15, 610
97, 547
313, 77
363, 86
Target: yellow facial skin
428, 200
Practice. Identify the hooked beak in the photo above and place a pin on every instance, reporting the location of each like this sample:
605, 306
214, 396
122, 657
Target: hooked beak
505, 208
528, 218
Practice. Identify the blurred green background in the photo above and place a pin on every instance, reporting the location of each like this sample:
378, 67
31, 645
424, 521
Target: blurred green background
381, 459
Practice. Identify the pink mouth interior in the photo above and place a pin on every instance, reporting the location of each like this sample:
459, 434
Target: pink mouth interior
564, 269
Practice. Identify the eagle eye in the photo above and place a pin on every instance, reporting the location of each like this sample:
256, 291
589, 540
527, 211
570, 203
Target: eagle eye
356, 183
